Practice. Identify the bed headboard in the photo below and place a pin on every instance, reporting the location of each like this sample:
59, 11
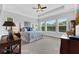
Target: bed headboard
24, 29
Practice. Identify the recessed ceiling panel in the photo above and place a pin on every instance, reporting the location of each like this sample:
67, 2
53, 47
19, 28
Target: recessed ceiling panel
27, 9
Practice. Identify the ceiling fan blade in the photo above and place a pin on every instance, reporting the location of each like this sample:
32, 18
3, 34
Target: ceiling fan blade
41, 10
38, 7
43, 7
35, 8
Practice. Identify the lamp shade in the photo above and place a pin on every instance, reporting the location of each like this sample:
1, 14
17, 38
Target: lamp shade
8, 23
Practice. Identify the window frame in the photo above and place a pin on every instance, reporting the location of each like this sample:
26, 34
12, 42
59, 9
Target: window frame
62, 25
44, 25
57, 25
52, 23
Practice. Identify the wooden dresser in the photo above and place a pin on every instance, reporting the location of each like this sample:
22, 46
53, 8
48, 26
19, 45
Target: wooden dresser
69, 46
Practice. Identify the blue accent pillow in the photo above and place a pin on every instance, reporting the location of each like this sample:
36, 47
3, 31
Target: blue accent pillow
28, 28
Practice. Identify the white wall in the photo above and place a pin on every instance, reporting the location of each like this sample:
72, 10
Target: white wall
69, 15
2, 29
18, 19
77, 30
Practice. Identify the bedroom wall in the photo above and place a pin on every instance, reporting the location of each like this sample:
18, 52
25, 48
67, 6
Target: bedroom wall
2, 29
0, 9
77, 30
69, 15
18, 19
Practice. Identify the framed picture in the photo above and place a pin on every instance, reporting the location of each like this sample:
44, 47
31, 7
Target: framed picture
77, 20
9, 19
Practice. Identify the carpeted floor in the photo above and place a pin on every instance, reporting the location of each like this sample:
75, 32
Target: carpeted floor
47, 45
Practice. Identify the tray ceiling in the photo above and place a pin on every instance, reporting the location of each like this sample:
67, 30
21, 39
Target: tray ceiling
27, 9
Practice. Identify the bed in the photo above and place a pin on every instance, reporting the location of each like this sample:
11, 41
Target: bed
30, 36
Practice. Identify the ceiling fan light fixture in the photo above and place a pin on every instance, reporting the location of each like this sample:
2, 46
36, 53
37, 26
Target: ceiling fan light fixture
40, 8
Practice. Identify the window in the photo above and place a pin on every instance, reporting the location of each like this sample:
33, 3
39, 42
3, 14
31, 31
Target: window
51, 25
43, 26
27, 24
62, 25
59, 25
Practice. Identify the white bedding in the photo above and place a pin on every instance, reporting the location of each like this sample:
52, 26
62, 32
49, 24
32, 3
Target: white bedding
31, 36
3, 32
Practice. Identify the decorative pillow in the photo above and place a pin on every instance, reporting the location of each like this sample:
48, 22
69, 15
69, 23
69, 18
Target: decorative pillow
25, 29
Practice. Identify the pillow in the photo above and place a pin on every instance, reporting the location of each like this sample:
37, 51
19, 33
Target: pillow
25, 29
29, 29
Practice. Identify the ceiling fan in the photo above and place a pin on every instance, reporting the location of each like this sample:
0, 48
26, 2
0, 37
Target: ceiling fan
39, 8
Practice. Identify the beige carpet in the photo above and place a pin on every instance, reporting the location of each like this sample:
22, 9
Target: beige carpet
46, 45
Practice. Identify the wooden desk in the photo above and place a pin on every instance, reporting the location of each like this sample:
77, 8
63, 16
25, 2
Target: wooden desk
4, 43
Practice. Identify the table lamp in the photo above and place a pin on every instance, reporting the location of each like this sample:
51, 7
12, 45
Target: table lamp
10, 35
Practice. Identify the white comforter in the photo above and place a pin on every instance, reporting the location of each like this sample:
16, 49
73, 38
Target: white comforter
31, 36
3, 32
